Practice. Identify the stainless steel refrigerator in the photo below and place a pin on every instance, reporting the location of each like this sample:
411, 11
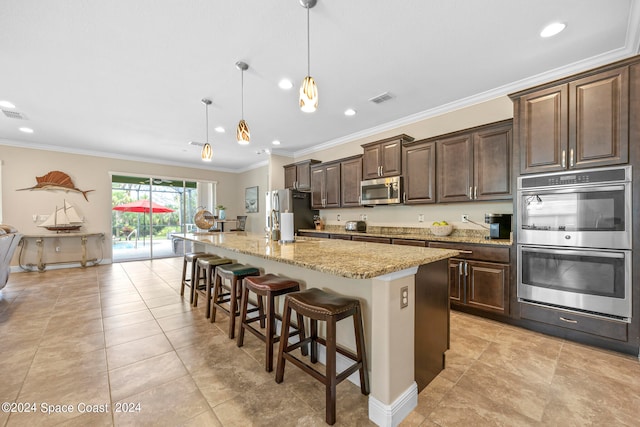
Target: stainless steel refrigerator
287, 200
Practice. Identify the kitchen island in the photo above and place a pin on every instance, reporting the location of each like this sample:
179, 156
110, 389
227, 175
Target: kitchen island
404, 296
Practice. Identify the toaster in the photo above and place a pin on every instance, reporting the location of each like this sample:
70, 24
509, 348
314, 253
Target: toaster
360, 226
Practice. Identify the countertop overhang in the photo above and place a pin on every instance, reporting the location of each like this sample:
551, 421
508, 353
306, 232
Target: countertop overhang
356, 260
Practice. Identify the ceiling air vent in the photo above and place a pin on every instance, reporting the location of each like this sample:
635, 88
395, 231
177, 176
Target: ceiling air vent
14, 115
196, 143
379, 99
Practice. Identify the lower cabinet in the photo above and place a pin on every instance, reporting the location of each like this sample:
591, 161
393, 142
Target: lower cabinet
476, 279
371, 239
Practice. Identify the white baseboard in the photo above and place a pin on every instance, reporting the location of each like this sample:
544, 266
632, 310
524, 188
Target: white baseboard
391, 415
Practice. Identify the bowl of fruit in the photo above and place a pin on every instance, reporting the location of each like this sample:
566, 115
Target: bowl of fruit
441, 228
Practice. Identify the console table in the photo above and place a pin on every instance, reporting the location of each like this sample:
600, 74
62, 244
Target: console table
48, 248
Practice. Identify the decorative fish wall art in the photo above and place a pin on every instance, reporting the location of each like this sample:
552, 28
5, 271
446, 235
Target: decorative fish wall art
56, 180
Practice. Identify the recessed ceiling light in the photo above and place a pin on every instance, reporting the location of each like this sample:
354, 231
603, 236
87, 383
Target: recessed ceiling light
219, 129
552, 29
26, 130
6, 104
285, 84
275, 142
349, 112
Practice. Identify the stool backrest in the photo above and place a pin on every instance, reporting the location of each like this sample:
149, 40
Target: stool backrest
242, 222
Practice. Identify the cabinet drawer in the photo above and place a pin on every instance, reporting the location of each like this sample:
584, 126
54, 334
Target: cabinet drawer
477, 252
371, 239
340, 236
409, 242
577, 322
312, 234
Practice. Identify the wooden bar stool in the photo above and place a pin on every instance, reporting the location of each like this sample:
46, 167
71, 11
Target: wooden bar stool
268, 286
191, 257
235, 273
317, 304
207, 264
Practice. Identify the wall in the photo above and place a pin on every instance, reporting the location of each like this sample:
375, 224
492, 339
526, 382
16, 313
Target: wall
256, 177
20, 166
486, 112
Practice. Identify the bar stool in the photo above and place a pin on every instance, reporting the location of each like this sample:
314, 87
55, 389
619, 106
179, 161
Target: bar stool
268, 286
318, 305
236, 274
208, 264
191, 257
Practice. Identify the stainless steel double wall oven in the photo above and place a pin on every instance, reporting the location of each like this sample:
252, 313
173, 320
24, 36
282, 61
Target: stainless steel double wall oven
574, 241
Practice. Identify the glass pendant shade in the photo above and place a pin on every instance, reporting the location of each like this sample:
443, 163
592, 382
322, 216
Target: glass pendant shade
308, 95
207, 152
243, 135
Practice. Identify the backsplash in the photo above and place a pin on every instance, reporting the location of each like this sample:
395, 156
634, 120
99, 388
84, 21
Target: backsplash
424, 231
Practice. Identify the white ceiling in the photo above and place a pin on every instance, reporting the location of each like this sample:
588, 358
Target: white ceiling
124, 78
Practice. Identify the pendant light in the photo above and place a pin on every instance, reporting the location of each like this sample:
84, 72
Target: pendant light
308, 89
242, 132
207, 153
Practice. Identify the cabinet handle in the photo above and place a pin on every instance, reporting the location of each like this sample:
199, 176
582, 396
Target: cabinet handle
460, 269
381, 170
471, 193
404, 197
571, 161
564, 319
466, 272
465, 252
564, 158
475, 192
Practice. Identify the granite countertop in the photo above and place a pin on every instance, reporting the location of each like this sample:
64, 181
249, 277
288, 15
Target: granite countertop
356, 260
457, 236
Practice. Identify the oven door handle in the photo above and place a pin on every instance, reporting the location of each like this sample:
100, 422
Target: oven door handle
576, 188
598, 253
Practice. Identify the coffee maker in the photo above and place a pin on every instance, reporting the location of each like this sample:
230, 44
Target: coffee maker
499, 225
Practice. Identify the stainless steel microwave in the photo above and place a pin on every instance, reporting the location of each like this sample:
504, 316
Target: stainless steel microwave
381, 191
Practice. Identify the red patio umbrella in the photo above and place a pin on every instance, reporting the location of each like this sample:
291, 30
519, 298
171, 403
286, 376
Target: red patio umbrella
142, 206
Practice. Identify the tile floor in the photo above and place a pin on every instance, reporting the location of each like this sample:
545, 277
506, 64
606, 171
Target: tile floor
120, 335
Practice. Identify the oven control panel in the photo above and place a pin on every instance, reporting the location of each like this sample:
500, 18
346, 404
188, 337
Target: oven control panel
592, 176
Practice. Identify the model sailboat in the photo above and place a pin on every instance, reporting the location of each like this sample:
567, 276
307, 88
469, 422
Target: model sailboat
63, 219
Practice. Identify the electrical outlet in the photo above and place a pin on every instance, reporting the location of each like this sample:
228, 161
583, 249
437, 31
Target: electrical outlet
364, 217
420, 217
404, 297
338, 217
465, 218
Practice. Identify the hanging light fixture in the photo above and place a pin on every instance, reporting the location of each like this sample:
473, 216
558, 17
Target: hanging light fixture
207, 153
308, 89
242, 132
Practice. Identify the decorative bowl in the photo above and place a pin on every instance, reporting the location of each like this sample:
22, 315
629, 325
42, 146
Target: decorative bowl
441, 230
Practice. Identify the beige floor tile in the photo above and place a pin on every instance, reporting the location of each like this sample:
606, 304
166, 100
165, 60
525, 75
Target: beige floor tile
135, 351
132, 332
126, 319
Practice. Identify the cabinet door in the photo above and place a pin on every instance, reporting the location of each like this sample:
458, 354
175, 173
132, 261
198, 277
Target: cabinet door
488, 286
391, 158
332, 186
371, 160
420, 173
599, 119
303, 173
455, 169
350, 177
290, 176
317, 187
371, 239
543, 130
456, 284
492, 163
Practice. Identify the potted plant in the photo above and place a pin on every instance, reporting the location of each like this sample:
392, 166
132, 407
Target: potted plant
221, 211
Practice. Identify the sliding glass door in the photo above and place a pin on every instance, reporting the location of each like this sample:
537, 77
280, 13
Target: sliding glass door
146, 212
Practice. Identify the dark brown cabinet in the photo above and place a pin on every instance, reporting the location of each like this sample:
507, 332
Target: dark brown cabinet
578, 124
371, 239
479, 276
297, 176
475, 164
325, 185
419, 160
350, 177
383, 158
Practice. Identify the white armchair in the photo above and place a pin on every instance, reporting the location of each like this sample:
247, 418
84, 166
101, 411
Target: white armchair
9, 239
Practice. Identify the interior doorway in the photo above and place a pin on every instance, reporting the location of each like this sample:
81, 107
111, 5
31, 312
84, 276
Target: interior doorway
147, 212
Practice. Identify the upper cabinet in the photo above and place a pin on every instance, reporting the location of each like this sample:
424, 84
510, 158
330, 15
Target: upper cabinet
475, 164
419, 159
383, 158
297, 176
350, 177
580, 123
325, 185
